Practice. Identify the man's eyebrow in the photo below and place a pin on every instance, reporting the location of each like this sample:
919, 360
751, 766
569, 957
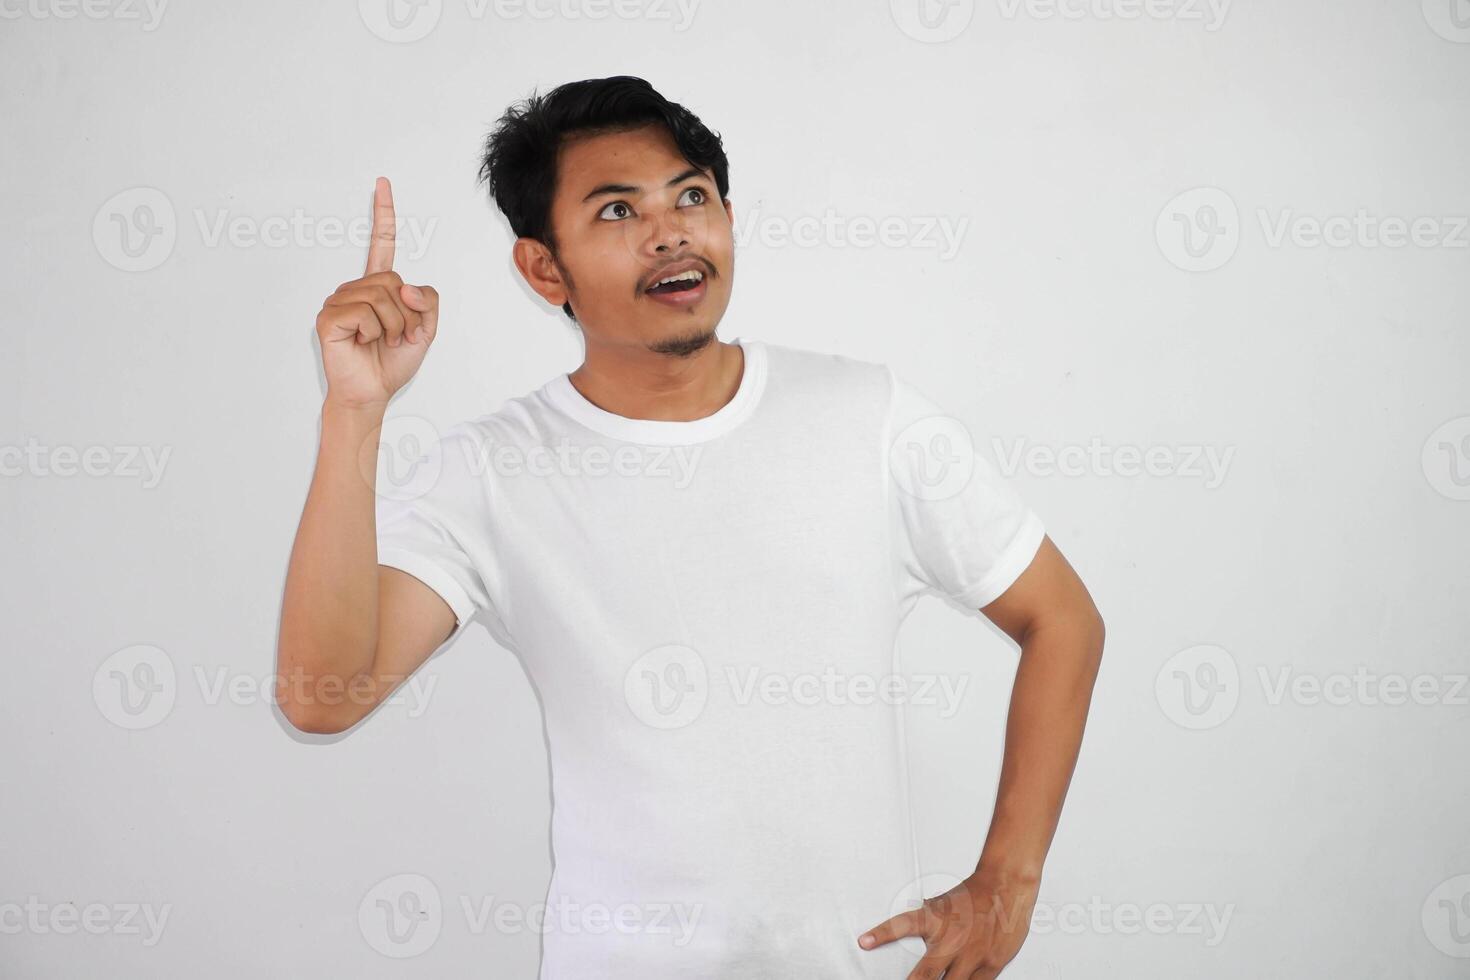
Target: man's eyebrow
632, 189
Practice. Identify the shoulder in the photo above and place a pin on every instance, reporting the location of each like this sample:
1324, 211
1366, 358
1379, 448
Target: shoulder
864, 392
828, 373
522, 420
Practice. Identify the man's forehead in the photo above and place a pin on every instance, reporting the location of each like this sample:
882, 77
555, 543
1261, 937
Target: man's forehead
644, 157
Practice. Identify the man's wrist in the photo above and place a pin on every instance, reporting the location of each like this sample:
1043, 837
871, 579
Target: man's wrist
1011, 865
371, 413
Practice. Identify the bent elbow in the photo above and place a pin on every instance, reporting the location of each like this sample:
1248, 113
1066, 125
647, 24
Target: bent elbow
1097, 633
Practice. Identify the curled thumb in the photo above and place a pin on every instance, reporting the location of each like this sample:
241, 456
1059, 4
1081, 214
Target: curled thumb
415, 298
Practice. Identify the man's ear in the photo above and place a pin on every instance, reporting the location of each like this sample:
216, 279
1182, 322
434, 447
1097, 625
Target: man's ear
538, 268
730, 211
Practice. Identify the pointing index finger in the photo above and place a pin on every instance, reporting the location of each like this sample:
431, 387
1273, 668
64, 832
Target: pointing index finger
900, 926
385, 229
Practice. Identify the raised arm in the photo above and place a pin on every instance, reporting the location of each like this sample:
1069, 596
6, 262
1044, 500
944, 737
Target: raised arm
352, 631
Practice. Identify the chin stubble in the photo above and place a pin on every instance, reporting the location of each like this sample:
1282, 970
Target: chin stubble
685, 345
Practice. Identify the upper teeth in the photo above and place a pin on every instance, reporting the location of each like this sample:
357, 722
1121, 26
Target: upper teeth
694, 274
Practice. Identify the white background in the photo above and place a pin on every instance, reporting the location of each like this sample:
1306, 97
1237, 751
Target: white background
1219, 826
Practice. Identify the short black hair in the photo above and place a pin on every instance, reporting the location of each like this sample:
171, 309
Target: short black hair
521, 152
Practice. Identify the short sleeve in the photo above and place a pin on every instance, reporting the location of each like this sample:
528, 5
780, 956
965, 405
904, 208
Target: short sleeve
958, 527
433, 521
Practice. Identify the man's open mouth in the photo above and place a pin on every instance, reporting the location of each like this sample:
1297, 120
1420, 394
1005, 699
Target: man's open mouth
679, 282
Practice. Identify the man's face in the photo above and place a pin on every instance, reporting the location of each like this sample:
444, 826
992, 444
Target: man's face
628, 211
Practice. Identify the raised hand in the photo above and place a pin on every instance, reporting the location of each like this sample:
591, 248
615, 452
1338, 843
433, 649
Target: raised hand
375, 331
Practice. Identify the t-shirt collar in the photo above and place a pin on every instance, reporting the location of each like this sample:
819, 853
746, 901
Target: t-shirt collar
565, 396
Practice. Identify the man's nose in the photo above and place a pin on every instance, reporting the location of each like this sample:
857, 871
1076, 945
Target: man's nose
669, 232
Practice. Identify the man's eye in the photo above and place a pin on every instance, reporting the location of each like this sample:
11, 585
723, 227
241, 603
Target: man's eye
625, 210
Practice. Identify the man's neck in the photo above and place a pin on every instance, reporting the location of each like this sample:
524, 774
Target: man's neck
637, 383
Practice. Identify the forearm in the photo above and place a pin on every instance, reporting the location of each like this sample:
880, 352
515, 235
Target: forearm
329, 616
1048, 712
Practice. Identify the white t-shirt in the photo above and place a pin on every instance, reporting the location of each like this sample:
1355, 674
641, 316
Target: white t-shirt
708, 611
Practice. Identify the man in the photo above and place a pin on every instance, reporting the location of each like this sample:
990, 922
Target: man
676, 538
